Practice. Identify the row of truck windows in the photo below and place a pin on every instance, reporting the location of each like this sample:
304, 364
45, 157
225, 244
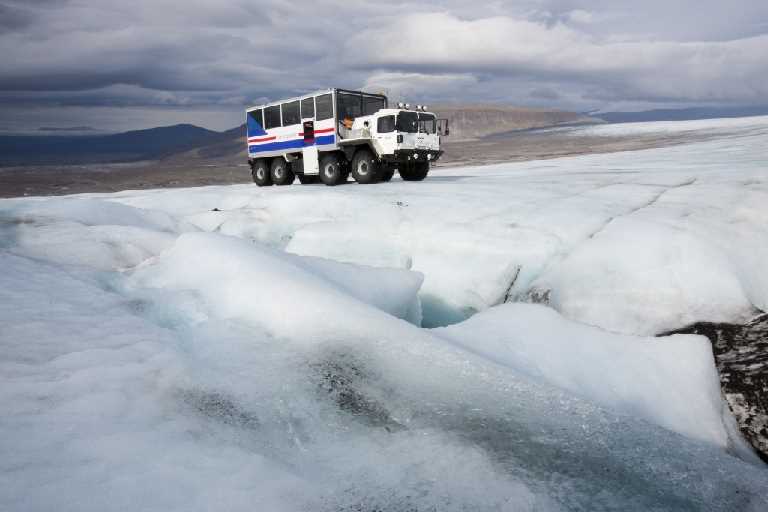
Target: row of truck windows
349, 105
318, 107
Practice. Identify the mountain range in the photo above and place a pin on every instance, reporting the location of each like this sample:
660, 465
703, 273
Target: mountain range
186, 142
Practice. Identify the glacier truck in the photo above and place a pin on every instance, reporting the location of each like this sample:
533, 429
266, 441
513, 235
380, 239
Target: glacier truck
330, 134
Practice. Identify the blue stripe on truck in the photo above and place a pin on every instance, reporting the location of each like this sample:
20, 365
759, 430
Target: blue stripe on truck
289, 144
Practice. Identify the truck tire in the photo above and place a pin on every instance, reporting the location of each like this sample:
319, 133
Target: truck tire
281, 173
260, 173
365, 168
386, 174
415, 172
308, 179
330, 171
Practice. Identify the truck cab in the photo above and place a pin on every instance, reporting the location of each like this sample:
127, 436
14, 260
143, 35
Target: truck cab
399, 135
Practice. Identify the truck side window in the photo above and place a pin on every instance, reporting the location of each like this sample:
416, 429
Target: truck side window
372, 104
385, 124
349, 105
256, 116
272, 117
307, 108
291, 113
324, 107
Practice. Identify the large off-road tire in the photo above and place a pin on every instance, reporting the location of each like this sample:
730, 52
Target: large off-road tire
260, 173
308, 179
365, 168
386, 173
281, 172
331, 172
414, 172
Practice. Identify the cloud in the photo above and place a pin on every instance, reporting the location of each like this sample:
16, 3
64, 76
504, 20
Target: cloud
428, 87
651, 71
563, 53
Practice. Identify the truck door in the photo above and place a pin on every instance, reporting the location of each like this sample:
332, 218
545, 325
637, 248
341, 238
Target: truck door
309, 132
309, 152
385, 138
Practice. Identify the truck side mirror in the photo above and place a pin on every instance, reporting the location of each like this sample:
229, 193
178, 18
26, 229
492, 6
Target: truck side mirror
442, 127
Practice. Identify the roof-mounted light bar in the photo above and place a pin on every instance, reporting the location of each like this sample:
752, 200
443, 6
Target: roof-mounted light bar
407, 106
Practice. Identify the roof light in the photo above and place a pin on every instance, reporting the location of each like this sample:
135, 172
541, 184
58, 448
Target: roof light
401, 105
424, 108
407, 105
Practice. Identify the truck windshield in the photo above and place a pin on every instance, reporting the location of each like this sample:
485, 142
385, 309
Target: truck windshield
408, 122
427, 123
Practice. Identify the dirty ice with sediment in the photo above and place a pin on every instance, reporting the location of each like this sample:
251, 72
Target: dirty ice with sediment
482, 340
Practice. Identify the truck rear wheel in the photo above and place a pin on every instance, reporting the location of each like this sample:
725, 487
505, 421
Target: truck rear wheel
260, 173
280, 172
415, 172
330, 171
365, 169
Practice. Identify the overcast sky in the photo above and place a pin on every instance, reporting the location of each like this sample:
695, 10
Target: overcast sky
128, 64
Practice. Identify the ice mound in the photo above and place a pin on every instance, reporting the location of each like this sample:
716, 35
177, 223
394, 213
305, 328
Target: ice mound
290, 295
87, 232
655, 278
670, 381
87, 211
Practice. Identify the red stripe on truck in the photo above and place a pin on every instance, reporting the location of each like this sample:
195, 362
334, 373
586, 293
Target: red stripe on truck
323, 130
262, 139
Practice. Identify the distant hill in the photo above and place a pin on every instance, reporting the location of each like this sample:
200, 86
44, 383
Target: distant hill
681, 114
476, 121
186, 144
84, 149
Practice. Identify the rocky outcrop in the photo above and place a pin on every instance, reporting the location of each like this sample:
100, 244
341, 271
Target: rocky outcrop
741, 354
469, 122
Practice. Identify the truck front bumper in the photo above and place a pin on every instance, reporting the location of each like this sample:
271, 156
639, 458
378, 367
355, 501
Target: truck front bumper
402, 156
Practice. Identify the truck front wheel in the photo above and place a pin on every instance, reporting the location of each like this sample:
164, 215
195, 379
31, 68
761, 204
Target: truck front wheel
330, 171
260, 173
280, 172
365, 169
415, 172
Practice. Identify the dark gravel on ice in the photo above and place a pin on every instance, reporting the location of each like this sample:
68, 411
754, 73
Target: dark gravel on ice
741, 354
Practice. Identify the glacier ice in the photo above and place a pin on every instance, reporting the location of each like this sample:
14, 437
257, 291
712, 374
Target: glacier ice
158, 355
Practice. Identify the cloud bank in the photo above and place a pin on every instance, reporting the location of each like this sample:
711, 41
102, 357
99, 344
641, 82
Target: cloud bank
228, 53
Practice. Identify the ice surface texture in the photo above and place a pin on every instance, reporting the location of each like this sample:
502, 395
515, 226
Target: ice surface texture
157, 355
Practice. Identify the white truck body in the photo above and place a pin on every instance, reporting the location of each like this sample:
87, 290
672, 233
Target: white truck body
357, 129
